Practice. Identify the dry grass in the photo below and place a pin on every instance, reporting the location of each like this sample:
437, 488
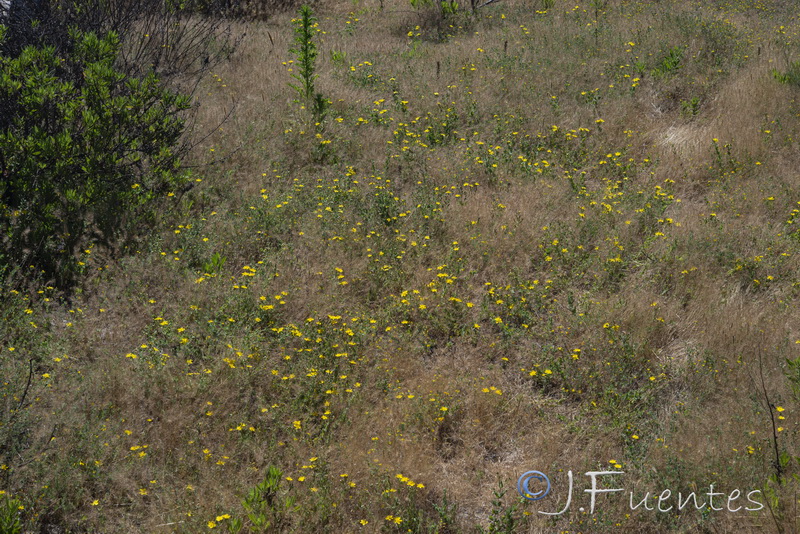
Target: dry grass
470, 280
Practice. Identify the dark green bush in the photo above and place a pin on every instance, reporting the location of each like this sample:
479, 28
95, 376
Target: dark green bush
83, 147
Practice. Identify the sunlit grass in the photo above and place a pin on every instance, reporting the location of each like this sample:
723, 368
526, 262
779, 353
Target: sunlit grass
505, 247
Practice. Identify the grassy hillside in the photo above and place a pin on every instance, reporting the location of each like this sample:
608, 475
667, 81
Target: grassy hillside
542, 236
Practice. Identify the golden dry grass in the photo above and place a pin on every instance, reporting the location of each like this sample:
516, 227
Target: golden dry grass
479, 281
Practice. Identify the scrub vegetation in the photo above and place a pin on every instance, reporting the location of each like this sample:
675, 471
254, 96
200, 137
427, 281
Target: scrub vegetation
361, 269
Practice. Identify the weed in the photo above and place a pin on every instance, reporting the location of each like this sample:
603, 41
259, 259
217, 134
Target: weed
599, 7
791, 76
215, 264
267, 508
337, 57
445, 7
10, 514
690, 108
305, 50
447, 515
793, 374
670, 63
502, 518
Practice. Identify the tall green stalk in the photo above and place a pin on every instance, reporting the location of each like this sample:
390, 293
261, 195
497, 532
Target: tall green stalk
305, 49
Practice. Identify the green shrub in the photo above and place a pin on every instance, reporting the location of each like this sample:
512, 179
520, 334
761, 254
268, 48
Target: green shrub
165, 36
79, 154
